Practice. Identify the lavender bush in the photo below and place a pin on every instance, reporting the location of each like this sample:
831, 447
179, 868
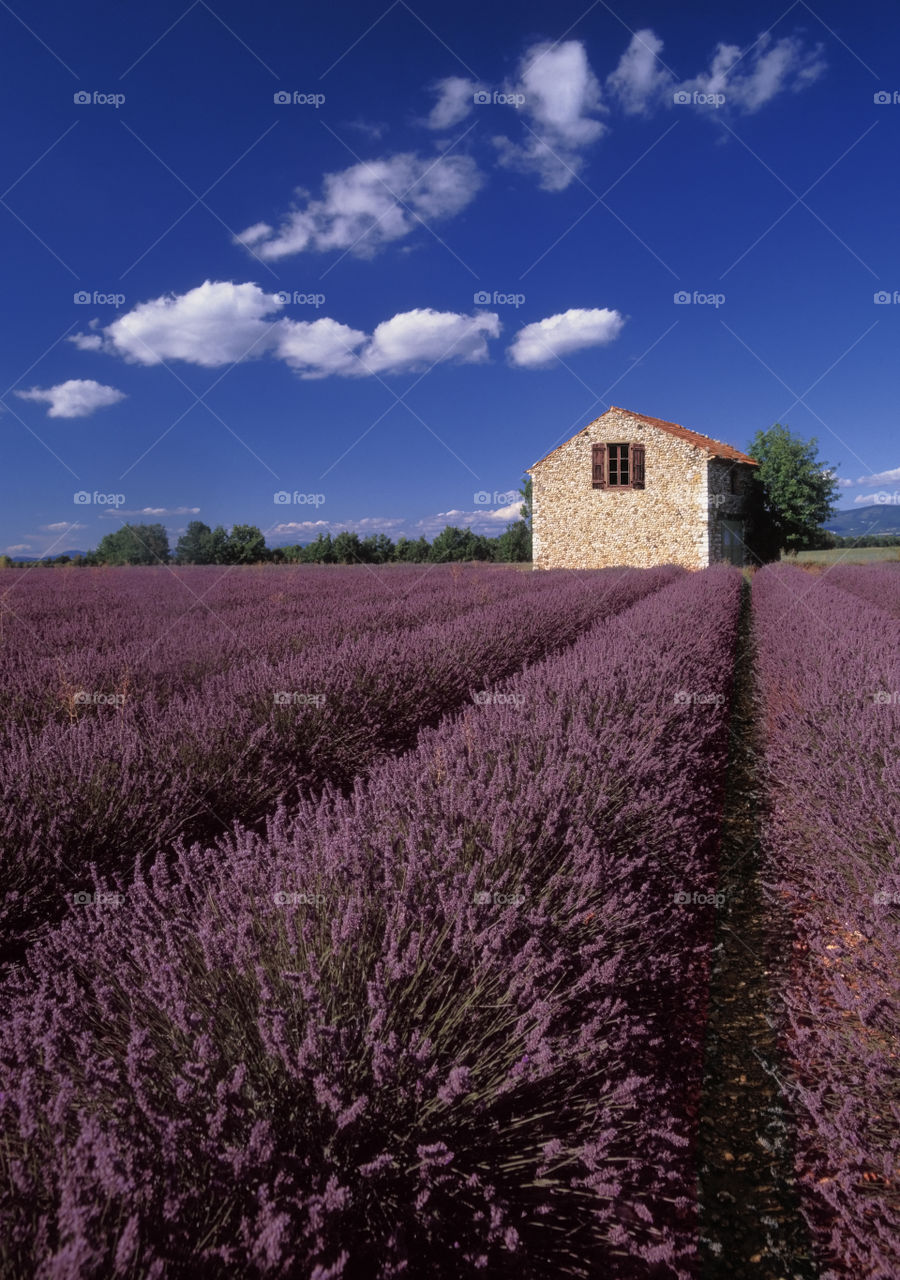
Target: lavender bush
829, 666
122, 780
448, 1023
877, 584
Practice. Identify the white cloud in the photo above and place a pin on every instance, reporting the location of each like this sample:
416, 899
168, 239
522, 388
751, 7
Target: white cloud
640, 82
487, 520
74, 399
61, 526
361, 208
220, 323
771, 67
424, 337
20, 546
455, 100
318, 348
151, 511
880, 477
311, 528
540, 343
878, 499
216, 323
562, 96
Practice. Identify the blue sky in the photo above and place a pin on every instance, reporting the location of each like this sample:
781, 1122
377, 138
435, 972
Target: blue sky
466, 233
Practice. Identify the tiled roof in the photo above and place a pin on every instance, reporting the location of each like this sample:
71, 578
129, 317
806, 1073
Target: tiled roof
715, 447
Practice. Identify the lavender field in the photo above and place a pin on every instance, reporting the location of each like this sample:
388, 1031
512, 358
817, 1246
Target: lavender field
369, 923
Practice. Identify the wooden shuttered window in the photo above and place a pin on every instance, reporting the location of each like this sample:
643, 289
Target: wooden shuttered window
637, 466
617, 466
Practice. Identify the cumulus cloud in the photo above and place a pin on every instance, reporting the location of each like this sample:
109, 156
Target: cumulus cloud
76, 398
222, 323
879, 477
562, 97
540, 343
61, 526
370, 204
423, 337
487, 520
318, 348
311, 528
19, 546
149, 511
455, 100
771, 67
640, 82
216, 323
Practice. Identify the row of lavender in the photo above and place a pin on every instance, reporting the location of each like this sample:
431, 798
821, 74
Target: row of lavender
877, 584
120, 783
829, 666
73, 636
449, 1023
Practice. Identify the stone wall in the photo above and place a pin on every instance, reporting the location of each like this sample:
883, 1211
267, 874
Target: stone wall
729, 489
668, 522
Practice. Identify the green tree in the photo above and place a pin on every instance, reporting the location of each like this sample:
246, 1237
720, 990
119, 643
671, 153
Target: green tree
525, 511
195, 544
218, 545
5, 562
412, 552
135, 544
450, 544
347, 548
377, 548
319, 552
793, 493
514, 544
246, 544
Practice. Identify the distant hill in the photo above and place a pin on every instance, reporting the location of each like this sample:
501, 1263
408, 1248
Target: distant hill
854, 523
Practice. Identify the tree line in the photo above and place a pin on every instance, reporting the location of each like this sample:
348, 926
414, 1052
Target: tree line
148, 544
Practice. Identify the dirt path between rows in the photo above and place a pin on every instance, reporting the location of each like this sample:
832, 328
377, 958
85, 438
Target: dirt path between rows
749, 1219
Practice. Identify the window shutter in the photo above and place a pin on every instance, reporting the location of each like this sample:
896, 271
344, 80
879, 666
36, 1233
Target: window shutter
637, 466
598, 466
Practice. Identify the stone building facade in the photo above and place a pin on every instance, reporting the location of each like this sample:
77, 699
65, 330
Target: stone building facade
638, 491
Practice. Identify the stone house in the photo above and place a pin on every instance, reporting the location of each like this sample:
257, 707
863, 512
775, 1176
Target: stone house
633, 490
